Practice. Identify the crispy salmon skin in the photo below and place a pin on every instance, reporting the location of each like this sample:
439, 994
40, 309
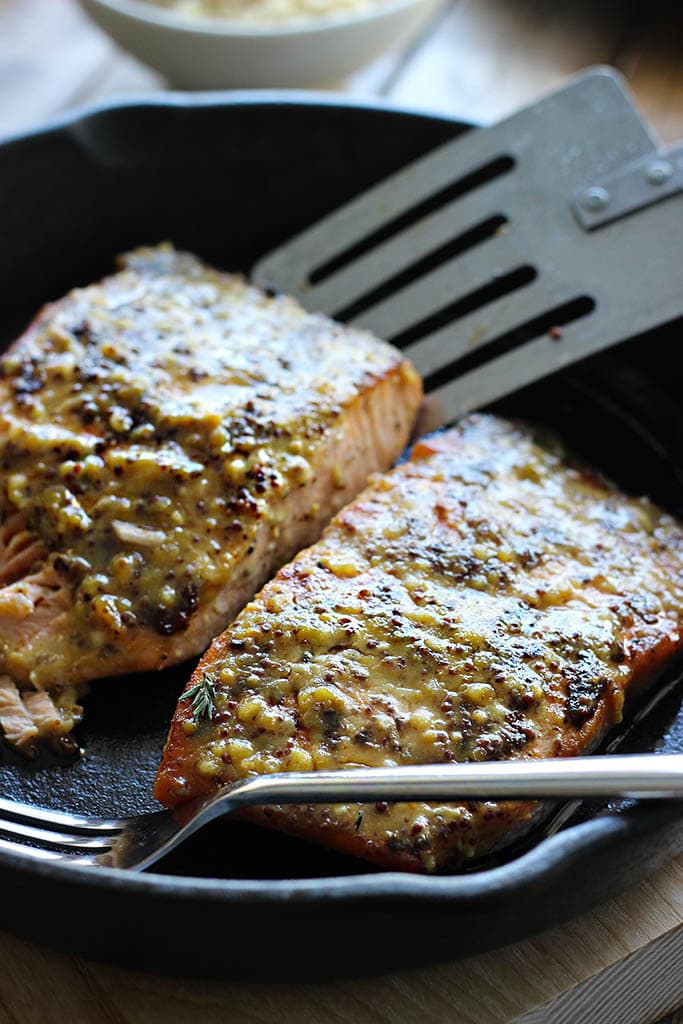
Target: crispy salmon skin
169, 437
487, 599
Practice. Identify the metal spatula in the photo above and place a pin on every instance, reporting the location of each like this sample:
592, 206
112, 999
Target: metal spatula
510, 252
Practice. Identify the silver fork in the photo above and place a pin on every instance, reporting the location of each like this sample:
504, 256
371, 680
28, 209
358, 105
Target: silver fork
508, 253
137, 842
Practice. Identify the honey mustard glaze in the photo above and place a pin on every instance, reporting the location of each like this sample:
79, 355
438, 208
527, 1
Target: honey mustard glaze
485, 600
148, 426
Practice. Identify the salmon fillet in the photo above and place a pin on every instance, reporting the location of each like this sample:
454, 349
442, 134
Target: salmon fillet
487, 599
169, 437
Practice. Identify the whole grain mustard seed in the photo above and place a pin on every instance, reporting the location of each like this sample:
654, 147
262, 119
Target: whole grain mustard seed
300, 760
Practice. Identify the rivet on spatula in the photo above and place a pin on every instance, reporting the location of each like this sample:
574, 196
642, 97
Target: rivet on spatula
658, 171
595, 199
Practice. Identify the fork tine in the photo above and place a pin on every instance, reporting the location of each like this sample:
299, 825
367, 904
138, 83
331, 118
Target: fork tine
406, 247
26, 814
35, 853
67, 839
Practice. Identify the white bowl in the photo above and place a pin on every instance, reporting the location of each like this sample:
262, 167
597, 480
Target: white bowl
217, 53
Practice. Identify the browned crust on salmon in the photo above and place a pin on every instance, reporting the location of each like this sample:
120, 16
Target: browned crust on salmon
489, 599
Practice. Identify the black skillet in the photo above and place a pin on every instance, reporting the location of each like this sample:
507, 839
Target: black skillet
229, 177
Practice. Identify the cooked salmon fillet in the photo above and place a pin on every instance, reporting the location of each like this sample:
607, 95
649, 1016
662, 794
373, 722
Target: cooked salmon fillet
169, 437
487, 599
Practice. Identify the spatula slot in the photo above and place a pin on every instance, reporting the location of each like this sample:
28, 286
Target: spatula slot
549, 322
467, 240
487, 172
493, 289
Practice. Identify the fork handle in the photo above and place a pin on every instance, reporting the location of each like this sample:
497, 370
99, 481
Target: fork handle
635, 775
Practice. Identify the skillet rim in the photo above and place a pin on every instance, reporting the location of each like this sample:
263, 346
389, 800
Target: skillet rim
176, 99
529, 870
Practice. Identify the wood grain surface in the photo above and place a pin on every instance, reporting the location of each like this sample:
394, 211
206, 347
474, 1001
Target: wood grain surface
623, 962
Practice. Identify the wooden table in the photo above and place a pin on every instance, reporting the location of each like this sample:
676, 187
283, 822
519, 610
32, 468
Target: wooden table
621, 963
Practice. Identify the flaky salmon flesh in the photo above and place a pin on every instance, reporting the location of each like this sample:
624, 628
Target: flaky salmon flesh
169, 437
487, 599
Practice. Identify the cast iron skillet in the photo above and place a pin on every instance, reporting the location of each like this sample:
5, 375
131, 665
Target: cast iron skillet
228, 177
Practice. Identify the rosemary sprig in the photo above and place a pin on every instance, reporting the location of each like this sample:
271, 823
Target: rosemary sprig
203, 696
